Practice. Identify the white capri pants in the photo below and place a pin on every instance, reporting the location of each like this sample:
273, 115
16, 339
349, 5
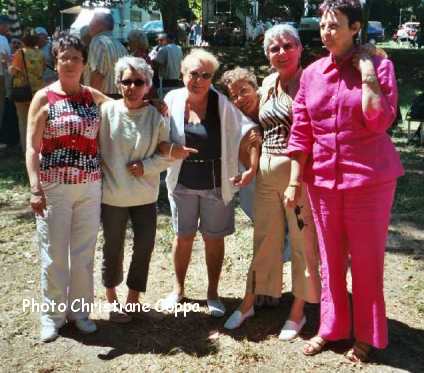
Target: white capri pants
67, 237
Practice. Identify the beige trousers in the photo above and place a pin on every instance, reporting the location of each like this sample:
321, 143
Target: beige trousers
265, 273
22, 109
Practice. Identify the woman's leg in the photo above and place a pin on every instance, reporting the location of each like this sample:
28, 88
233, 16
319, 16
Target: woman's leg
85, 226
214, 248
143, 219
22, 113
216, 222
327, 208
265, 272
367, 212
185, 206
54, 234
306, 283
181, 252
114, 221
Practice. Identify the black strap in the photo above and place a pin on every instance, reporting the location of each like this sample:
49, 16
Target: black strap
25, 68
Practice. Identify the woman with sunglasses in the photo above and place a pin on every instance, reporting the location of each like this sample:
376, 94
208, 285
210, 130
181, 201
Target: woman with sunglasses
283, 48
340, 147
199, 187
130, 133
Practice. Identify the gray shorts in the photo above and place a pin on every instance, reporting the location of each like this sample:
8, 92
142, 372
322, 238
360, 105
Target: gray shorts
188, 206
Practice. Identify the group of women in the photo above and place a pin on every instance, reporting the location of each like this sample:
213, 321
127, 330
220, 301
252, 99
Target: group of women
325, 166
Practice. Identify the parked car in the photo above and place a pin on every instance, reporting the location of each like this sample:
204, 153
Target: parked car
152, 29
375, 32
309, 30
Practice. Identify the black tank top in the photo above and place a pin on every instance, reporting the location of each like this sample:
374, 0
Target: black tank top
203, 170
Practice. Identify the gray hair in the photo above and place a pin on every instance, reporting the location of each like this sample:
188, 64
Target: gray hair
200, 55
280, 30
133, 63
139, 37
106, 19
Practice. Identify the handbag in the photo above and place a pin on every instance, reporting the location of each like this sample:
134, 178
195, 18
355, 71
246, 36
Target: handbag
23, 93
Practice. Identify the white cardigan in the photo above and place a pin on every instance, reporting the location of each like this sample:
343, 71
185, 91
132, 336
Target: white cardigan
234, 125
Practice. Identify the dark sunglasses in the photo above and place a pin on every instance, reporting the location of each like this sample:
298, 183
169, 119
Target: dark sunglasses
197, 75
286, 47
300, 223
137, 82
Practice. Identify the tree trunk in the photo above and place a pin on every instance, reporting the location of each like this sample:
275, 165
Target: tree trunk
169, 16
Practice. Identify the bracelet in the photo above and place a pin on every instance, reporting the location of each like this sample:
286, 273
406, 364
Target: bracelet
170, 151
294, 183
292, 186
369, 79
37, 193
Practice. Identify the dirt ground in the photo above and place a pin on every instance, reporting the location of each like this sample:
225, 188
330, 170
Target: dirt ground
159, 342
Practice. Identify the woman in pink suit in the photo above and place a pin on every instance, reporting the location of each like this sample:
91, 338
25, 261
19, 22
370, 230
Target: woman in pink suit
339, 146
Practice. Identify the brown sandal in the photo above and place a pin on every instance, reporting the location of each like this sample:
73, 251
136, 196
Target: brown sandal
314, 346
359, 353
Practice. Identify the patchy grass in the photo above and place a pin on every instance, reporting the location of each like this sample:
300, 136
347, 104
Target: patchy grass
163, 343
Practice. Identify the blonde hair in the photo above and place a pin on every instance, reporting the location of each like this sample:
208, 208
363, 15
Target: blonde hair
200, 55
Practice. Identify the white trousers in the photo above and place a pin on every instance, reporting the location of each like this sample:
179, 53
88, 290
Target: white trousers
67, 237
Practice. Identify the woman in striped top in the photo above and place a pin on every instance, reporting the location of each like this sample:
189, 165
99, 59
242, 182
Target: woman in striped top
65, 177
283, 48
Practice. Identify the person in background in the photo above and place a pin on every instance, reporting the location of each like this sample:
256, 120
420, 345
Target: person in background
64, 172
168, 62
5, 54
130, 133
283, 48
27, 65
15, 44
45, 45
206, 131
339, 146
138, 45
103, 53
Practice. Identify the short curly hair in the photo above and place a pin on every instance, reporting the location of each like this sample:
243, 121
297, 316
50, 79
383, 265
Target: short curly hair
352, 9
235, 75
67, 42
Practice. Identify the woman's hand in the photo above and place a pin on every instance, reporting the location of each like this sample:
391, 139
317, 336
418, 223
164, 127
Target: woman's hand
254, 137
181, 151
292, 195
362, 59
38, 202
136, 168
243, 179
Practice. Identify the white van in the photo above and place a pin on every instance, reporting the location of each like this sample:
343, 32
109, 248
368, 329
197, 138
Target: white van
127, 17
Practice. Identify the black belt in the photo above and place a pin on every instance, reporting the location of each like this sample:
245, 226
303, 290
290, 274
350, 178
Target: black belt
201, 160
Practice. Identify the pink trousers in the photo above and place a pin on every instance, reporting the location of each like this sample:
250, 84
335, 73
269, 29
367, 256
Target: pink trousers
353, 222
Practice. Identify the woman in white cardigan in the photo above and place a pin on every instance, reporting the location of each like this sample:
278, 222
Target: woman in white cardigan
206, 130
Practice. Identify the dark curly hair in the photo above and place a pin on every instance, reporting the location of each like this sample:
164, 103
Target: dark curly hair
350, 8
67, 42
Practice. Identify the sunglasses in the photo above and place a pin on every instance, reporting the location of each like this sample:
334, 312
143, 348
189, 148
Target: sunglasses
137, 82
287, 47
197, 75
300, 223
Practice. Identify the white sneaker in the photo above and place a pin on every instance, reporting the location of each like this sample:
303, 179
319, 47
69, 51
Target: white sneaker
48, 333
216, 307
291, 329
237, 318
86, 326
170, 301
